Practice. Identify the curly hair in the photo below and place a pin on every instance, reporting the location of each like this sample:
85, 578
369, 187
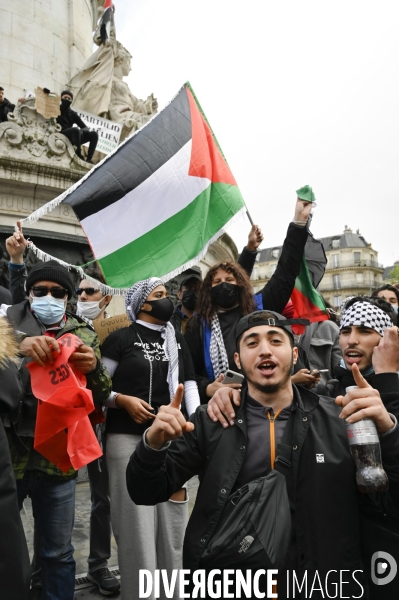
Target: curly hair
205, 308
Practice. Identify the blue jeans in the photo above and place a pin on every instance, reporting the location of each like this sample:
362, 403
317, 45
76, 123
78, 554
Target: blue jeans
53, 504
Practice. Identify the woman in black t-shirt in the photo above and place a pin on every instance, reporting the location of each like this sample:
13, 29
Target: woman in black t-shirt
146, 361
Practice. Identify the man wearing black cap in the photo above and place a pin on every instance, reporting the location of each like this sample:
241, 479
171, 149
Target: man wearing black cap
77, 135
39, 321
280, 430
187, 296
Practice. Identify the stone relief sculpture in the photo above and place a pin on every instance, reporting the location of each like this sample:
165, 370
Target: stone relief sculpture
99, 87
27, 135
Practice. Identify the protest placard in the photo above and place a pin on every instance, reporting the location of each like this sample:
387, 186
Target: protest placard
103, 327
108, 131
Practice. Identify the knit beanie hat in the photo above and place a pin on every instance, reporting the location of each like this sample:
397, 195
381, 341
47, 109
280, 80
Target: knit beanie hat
50, 271
67, 92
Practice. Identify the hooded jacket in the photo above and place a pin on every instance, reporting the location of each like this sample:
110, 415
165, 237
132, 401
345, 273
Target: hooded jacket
320, 476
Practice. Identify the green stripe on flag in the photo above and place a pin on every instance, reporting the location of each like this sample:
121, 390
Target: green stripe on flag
176, 241
303, 283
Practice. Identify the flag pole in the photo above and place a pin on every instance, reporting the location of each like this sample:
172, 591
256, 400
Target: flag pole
248, 215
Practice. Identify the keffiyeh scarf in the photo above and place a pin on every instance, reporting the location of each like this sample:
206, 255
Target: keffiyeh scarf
217, 349
135, 299
364, 314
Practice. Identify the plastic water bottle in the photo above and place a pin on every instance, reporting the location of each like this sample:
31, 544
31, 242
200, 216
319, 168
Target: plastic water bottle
365, 448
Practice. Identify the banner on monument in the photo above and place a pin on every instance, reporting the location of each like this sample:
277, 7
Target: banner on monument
109, 132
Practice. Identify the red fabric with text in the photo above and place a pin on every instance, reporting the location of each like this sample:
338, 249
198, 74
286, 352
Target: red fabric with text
64, 434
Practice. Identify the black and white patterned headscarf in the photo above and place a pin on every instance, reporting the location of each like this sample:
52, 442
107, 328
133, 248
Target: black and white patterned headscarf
366, 315
217, 349
135, 299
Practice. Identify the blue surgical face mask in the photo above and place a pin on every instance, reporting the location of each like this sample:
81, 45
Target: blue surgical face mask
395, 307
48, 309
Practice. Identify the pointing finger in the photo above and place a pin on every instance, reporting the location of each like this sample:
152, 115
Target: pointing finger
358, 377
178, 397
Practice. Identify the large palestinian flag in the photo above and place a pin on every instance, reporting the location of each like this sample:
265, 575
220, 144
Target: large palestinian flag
153, 207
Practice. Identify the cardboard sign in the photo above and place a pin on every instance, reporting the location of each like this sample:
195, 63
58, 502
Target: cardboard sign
63, 433
109, 132
47, 105
103, 327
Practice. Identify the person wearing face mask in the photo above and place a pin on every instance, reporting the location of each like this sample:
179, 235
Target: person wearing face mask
91, 306
390, 294
38, 322
187, 296
146, 361
226, 296
77, 135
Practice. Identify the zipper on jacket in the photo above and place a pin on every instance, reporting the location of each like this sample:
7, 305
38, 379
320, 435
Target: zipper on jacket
272, 417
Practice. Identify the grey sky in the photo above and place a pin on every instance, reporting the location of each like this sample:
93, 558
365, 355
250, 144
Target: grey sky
296, 92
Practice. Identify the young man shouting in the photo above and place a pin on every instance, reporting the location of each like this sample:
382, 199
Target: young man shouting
280, 429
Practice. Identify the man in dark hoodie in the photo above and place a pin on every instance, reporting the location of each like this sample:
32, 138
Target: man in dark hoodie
5, 106
77, 135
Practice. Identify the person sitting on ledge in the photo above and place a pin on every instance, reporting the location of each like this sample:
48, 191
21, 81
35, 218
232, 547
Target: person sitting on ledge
5, 106
77, 135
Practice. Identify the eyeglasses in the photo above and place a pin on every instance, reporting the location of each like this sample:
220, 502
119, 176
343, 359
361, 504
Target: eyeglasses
87, 291
42, 290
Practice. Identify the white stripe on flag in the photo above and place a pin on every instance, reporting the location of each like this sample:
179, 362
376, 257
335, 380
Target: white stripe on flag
165, 193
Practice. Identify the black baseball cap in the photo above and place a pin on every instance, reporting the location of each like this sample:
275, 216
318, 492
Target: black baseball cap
186, 279
267, 317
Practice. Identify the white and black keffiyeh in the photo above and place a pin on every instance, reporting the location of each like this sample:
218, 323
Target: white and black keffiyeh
364, 314
217, 350
135, 299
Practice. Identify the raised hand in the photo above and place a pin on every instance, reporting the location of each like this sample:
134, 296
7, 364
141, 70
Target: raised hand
255, 238
213, 387
302, 212
364, 403
169, 423
386, 354
16, 245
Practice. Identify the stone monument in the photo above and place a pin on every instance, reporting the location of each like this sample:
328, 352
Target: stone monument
99, 87
46, 43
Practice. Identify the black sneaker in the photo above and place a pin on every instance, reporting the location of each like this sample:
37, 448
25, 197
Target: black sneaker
107, 583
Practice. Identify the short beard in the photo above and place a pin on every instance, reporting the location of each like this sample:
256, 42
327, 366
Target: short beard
273, 388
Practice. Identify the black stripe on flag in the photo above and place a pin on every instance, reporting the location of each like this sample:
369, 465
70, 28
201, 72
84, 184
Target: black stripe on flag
136, 160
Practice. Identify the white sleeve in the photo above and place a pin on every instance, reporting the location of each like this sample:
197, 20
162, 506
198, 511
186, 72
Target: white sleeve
191, 396
110, 364
3, 309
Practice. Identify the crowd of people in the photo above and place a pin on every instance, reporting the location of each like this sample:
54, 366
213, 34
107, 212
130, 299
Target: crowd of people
165, 411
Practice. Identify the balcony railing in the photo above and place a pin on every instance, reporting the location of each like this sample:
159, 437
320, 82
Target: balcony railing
354, 263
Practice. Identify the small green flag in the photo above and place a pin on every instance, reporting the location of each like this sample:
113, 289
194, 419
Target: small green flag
306, 193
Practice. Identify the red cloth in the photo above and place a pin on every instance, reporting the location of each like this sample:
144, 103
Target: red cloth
63, 431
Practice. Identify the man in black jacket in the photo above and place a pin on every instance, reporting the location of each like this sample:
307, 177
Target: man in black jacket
5, 106
281, 427
77, 135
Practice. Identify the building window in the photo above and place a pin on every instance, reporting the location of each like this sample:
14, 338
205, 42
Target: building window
359, 278
276, 252
371, 259
336, 282
272, 269
335, 260
337, 301
255, 273
356, 256
336, 243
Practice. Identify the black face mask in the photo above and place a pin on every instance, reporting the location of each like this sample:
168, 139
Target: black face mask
189, 299
162, 309
225, 295
65, 104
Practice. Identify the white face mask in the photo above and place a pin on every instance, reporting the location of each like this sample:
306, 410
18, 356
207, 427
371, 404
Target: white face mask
90, 310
